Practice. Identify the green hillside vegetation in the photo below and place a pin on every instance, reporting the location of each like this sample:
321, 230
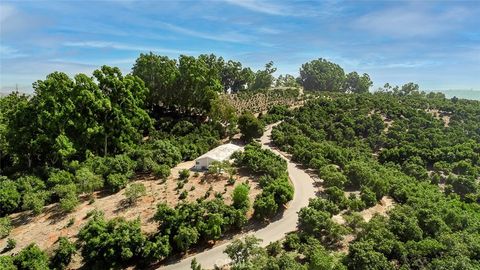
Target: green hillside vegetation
76, 136
431, 171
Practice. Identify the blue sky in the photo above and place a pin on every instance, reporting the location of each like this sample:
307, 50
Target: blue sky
433, 43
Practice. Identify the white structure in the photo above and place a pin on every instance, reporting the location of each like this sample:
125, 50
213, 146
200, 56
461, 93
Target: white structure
221, 153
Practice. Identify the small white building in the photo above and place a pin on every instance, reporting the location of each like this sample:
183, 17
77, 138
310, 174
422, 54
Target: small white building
220, 153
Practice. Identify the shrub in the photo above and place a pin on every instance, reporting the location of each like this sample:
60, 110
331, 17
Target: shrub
109, 244
265, 206
240, 197
134, 192
11, 244
116, 182
183, 195
184, 174
5, 227
161, 171
368, 197
63, 254
31, 258
9, 196
34, 201
6, 263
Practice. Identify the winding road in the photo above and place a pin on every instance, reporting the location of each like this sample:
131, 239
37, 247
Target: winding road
304, 190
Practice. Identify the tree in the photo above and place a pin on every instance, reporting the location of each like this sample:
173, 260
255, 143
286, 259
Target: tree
250, 126
88, 181
214, 226
116, 181
240, 197
242, 253
286, 80
63, 254
6, 263
162, 171
185, 237
355, 83
31, 258
112, 243
194, 265
265, 206
134, 192
124, 117
322, 75
160, 75
9, 196
362, 256
264, 78
5, 227
224, 113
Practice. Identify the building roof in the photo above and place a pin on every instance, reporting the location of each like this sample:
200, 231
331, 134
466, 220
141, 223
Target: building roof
222, 152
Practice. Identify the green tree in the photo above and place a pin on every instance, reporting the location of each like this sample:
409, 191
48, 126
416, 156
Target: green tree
186, 237
6, 263
63, 254
9, 196
31, 258
240, 197
250, 126
88, 181
5, 227
214, 226
286, 80
265, 206
112, 243
160, 75
134, 191
355, 83
124, 117
264, 78
322, 75
242, 253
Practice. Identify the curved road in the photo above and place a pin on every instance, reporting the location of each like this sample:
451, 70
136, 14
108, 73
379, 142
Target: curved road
304, 190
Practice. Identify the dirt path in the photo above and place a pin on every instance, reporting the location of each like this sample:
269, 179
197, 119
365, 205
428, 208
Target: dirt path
276, 230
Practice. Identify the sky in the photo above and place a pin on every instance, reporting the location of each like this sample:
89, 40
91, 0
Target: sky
433, 43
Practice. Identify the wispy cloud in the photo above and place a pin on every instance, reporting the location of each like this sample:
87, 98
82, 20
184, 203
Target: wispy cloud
126, 47
262, 7
411, 21
233, 37
7, 52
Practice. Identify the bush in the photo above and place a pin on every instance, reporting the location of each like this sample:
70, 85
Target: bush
11, 244
31, 258
34, 201
109, 244
265, 206
116, 181
5, 227
184, 174
134, 192
6, 263
368, 197
161, 171
63, 254
183, 195
240, 197
9, 196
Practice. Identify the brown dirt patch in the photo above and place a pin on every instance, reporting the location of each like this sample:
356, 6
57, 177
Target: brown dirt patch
44, 229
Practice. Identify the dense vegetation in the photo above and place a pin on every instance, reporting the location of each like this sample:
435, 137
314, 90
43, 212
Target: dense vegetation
385, 144
75, 136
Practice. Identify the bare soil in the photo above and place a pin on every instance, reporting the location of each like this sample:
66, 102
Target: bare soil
45, 228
